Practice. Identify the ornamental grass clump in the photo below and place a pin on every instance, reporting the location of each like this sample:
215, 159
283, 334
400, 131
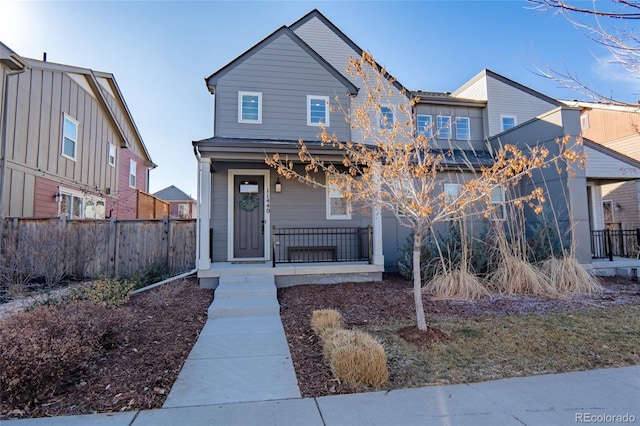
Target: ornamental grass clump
569, 277
459, 284
516, 276
325, 320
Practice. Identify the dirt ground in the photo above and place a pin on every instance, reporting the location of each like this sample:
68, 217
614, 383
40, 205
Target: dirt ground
139, 373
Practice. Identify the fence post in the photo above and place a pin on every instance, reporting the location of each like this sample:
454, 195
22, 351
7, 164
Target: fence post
370, 235
165, 240
608, 244
273, 246
112, 267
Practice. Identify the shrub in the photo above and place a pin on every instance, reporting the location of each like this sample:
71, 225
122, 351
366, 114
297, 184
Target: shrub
356, 358
107, 292
405, 258
151, 275
324, 320
544, 242
43, 350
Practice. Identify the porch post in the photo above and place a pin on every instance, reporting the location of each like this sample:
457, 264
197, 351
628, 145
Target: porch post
204, 213
378, 255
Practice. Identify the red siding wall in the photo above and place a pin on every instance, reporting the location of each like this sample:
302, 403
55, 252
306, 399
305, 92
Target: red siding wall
124, 206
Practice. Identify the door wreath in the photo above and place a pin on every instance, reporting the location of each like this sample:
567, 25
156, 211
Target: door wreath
249, 202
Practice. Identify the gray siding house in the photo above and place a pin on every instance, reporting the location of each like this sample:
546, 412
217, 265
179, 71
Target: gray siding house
279, 92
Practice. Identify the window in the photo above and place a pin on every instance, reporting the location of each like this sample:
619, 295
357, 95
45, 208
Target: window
507, 122
132, 173
386, 118
317, 110
498, 203
183, 211
463, 132
76, 205
584, 121
451, 192
250, 107
112, 155
425, 126
337, 204
443, 127
69, 137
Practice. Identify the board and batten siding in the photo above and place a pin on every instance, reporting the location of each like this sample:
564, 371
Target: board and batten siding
285, 74
37, 101
477, 141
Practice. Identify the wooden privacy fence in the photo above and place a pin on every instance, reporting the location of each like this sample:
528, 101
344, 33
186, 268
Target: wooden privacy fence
96, 248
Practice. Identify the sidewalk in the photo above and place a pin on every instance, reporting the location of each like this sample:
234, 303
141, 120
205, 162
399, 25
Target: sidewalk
240, 373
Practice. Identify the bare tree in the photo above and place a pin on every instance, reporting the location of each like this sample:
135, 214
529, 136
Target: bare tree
610, 24
399, 169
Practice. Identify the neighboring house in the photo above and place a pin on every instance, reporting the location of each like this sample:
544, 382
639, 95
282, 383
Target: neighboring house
279, 92
181, 205
69, 144
616, 128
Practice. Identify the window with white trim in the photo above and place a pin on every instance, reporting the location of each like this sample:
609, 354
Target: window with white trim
463, 130
337, 205
498, 203
69, 137
425, 125
507, 122
584, 121
451, 192
317, 110
76, 205
250, 107
386, 117
112, 155
183, 211
132, 173
443, 127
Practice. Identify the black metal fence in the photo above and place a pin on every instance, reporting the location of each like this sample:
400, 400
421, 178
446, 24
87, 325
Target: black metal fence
608, 243
310, 245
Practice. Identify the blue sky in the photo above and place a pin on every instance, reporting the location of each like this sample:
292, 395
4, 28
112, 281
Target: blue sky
160, 52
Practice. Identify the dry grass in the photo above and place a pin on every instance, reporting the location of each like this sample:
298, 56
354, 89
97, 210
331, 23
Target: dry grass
325, 320
356, 358
459, 284
569, 277
516, 276
511, 346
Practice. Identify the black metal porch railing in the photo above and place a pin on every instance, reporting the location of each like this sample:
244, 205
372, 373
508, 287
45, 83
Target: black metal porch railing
308, 245
608, 243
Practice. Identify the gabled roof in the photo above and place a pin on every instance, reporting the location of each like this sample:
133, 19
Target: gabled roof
315, 13
212, 80
611, 153
11, 59
92, 77
171, 193
601, 105
488, 73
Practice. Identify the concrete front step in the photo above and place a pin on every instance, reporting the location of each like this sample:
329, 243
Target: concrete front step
250, 306
238, 279
246, 289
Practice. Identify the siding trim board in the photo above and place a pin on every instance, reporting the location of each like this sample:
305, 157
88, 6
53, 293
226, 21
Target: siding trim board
212, 80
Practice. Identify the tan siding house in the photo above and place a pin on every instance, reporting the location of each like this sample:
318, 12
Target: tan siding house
67, 141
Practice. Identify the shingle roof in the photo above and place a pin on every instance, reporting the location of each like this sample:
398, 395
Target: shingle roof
171, 193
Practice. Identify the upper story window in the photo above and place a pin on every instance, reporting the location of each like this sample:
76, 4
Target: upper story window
425, 125
132, 173
69, 137
443, 127
112, 155
337, 204
317, 110
463, 130
584, 121
250, 107
451, 192
507, 122
386, 117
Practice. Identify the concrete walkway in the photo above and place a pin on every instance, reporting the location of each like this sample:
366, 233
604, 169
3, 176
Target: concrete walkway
240, 373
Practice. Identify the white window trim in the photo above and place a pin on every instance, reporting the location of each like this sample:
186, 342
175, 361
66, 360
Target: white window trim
391, 123
503, 116
501, 204
325, 122
584, 121
82, 196
66, 116
240, 119
330, 216
428, 133
133, 166
447, 128
458, 120
458, 191
112, 149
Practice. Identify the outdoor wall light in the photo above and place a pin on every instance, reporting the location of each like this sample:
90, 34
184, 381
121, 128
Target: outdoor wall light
56, 197
278, 185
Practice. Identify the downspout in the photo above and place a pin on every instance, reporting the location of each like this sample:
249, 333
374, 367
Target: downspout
3, 148
196, 152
